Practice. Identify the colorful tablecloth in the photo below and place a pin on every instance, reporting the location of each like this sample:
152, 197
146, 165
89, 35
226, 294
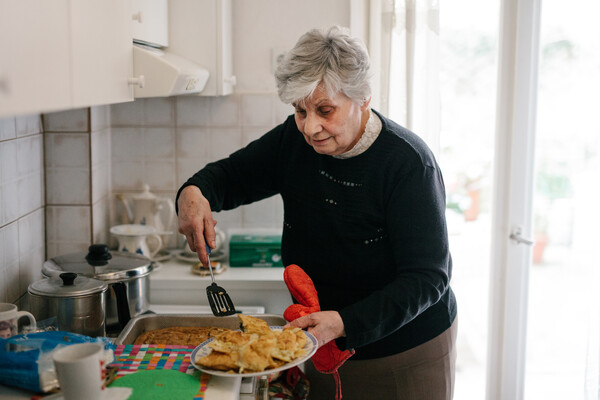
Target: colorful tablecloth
130, 358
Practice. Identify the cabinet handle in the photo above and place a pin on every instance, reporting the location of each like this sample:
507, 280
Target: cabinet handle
231, 80
140, 81
138, 16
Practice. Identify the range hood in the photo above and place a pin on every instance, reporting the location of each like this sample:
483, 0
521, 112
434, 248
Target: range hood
165, 74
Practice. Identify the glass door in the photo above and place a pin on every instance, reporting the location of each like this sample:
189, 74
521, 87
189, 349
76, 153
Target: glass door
468, 76
562, 340
519, 147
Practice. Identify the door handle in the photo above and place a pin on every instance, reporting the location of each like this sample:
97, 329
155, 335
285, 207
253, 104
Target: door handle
516, 235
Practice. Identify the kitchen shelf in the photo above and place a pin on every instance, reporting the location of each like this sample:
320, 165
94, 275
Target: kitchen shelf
175, 283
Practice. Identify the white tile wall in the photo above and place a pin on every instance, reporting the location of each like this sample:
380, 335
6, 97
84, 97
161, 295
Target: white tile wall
22, 247
101, 220
162, 142
67, 168
28, 125
100, 161
68, 229
78, 178
192, 111
8, 128
99, 118
257, 110
77, 120
225, 111
9, 180
31, 248
9, 262
86, 156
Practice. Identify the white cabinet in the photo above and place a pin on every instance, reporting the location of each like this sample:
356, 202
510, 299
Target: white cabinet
61, 54
201, 30
151, 22
102, 52
35, 74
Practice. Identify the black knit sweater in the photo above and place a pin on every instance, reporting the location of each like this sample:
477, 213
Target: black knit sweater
369, 230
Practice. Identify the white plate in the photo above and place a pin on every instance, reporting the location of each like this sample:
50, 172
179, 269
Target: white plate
204, 349
162, 255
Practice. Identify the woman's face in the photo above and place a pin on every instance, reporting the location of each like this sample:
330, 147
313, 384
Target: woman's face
331, 125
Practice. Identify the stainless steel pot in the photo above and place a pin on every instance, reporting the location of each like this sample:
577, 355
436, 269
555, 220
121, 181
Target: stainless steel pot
77, 302
127, 275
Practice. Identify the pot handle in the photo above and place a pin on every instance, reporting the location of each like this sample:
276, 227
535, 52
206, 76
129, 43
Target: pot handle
123, 313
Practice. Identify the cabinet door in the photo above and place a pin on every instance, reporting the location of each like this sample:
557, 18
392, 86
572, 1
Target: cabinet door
102, 52
151, 22
34, 56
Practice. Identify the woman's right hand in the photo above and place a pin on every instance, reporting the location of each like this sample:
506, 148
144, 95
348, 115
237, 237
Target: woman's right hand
196, 222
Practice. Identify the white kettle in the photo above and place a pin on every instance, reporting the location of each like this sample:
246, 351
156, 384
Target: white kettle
145, 208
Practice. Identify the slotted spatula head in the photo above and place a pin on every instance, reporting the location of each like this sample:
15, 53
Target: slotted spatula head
218, 299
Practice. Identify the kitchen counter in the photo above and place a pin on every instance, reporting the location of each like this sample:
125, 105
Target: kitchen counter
173, 282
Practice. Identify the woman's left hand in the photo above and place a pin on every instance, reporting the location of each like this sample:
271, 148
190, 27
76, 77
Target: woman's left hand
323, 325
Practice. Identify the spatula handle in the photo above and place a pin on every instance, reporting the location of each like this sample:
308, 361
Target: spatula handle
212, 277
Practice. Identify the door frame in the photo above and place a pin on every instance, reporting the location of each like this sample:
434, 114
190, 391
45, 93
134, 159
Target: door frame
513, 197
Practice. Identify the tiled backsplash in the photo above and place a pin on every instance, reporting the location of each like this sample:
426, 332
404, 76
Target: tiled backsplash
87, 156
162, 142
22, 236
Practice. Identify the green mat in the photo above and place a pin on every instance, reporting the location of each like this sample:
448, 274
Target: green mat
159, 384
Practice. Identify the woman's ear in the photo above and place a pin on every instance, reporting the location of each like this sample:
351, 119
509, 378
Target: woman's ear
365, 104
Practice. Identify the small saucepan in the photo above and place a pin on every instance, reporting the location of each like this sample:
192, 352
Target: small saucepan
126, 274
77, 302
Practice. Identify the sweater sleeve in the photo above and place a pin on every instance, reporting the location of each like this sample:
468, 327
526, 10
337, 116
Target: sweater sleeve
248, 175
417, 232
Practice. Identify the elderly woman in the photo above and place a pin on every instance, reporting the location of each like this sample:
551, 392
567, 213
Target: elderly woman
364, 217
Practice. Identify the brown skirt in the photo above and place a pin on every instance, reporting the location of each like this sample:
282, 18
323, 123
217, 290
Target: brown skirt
423, 372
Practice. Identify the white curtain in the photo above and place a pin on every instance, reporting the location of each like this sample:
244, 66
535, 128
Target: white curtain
409, 72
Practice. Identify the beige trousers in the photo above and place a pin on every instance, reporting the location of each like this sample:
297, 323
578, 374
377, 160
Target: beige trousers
425, 372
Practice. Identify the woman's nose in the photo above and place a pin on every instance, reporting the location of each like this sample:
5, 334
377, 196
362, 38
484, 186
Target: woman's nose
312, 124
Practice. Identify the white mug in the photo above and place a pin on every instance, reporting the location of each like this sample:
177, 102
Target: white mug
141, 239
9, 320
80, 370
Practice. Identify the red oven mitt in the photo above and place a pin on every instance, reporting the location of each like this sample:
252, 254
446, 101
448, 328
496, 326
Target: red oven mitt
328, 357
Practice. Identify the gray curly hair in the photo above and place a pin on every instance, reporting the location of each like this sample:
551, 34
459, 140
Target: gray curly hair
330, 56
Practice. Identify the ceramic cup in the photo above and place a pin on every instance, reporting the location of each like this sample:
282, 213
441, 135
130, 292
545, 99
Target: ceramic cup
9, 320
80, 370
141, 239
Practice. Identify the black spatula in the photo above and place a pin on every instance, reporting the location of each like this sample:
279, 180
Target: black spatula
220, 302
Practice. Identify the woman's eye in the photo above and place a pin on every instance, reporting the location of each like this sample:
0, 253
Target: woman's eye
300, 111
325, 110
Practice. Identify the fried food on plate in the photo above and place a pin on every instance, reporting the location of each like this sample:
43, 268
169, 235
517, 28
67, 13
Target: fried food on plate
254, 325
256, 348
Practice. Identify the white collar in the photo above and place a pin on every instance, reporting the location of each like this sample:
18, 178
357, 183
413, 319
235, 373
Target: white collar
372, 130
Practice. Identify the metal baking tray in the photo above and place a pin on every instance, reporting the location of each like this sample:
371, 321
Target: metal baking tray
142, 323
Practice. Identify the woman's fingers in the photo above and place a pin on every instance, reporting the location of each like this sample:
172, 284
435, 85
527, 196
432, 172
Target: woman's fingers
195, 221
325, 326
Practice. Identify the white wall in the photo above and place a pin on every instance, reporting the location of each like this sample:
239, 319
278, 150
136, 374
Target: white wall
263, 25
22, 244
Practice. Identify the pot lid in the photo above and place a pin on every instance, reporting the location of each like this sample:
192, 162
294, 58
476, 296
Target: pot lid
67, 284
100, 263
